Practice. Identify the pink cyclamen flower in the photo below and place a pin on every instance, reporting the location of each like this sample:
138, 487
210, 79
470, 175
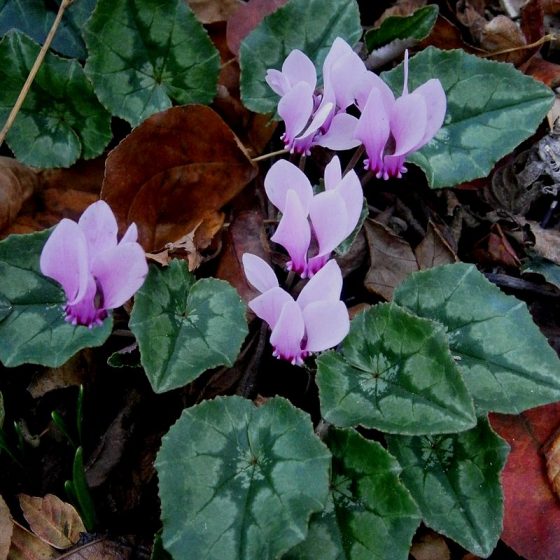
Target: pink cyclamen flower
327, 218
317, 320
391, 129
96, 272
312, 118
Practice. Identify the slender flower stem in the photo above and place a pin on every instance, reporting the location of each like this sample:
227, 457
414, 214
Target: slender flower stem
290, 279
367, 178
302, 162
354, 160
34, 69
270, 155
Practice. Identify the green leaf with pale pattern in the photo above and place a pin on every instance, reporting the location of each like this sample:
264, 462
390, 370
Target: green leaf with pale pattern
35, 330
538, 265
308, 25
146, 54
61, 120
395, 373
185, 327
455, 480
237, 482
507, 363
491, 108
370, 513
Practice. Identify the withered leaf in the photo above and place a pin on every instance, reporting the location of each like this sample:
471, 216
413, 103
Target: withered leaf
210, 11
6, 529
175, 170
17, 184
430, 546
26, 546
547, 241
434, 250
52, 520
101, 549
391, 259
552, 455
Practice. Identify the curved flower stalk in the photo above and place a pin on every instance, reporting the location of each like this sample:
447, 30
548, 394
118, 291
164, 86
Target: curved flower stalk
327, 218
391, 129
95, 271
313, 118
315, 321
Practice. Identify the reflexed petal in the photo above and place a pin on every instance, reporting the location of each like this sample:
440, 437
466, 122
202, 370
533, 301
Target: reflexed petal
268, 305
131, 234
408, 123
341, 133
333, 173
346, 78
259, 273
296, 108
288, 333
326, 324
284, 176
277, 81
350, 189
326, 285
436, 105
368, 81
298, 68
294, 233
100, 227
339, 49
329, 219
119, 272
373, 129
65, 259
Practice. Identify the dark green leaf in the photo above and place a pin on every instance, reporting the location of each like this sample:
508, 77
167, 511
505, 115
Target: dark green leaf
35, 19
35, 331
239, 482
61, 120
537, 265
507, 363
416, 26
395, 373
491, 108
145, 54
455, 480
370, 514
129, 356
185, 327
308, 25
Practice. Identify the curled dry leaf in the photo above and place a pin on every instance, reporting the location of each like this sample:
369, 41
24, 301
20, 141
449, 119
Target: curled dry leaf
211, 11
6, 529
27, 546
174, 171
430, 546
547, 241
552, 455
52, 520
401, 8
17, 184
101, 549
434, 250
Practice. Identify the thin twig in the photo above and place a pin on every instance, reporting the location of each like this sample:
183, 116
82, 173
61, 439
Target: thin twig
270, 155
546, 39
354, 160
34, 69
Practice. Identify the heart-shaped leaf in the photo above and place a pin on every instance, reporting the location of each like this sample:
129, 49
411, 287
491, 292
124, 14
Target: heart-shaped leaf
35, 330
370, 513
61, 119
455, 480
308, 25
239, 482
145, 54
395, 373
185, 327
491, 108
507, 363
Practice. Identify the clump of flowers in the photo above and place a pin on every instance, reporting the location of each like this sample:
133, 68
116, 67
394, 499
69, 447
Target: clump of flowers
96, 272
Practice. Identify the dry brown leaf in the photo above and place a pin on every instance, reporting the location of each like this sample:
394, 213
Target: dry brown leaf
543, 70
431, 546
400, 9
17, 184
52, 520
210, 11
552, 455
101, 549
501, 33
196, 165
434, 250
27, 546
547, 241
6, 529
391, 259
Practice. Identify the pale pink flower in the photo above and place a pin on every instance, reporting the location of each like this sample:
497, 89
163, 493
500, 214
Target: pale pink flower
96, 272
315, 321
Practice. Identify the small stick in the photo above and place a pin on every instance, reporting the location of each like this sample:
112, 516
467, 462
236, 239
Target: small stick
270, 155
546, 39
34, 69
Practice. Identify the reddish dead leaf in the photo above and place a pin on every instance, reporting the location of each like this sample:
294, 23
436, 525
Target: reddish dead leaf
6, 529
17, 184
434, 250
245, 234
246, 18
400, 9
26, 546
174, 171
551, 7
552, 455
391, 259
445, 35
546, 72
430, 546
101, 549
531, 509
210, 11
52, 520
85, 176
496, 249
